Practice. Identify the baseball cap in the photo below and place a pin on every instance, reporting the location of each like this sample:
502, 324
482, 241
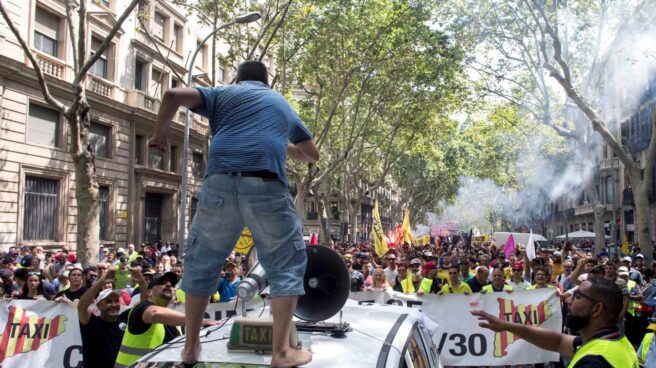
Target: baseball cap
626, 259
105, 293
123, 259
557, 254
160, 279
432, 265
623, 271
517, 265
26, 261
639, 255
415, 261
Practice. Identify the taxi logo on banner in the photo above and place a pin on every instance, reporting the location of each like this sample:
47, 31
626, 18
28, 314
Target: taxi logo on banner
533, 315
23, 333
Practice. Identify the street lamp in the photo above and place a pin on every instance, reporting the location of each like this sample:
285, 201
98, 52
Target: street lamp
246, 18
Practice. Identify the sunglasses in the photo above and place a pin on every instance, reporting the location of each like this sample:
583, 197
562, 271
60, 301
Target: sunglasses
577, 295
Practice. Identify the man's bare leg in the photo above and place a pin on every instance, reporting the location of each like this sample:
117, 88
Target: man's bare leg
194, 311
283, 308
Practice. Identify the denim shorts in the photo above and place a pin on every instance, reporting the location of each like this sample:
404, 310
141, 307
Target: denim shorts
226, 204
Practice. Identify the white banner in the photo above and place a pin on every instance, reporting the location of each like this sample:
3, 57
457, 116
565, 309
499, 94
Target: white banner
462, 342
39, 334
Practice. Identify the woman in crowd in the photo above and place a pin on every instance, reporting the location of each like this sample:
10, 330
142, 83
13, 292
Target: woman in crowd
379, 281
33, 288
166, 261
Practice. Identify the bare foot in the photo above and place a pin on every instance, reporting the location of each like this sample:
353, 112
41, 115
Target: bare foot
190, 357
291, 358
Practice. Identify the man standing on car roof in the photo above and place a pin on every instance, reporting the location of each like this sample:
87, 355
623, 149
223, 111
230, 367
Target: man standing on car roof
244, 185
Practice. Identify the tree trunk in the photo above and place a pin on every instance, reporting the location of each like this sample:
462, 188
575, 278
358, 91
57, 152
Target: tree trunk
641, 200
86, 195
353, 221
598, 210
324, 232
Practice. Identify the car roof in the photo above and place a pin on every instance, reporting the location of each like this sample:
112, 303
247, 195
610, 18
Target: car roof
377, 339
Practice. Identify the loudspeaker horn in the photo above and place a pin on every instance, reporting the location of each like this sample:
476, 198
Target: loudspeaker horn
326, 282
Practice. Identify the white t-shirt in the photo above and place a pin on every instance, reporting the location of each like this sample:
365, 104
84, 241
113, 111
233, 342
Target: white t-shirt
520, 286
390, 275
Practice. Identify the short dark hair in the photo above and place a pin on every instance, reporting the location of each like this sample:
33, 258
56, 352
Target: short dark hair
252, 70
607, 292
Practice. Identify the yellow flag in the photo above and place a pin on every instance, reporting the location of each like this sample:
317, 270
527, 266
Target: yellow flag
625, 245
380, 246
407, 229
245, 242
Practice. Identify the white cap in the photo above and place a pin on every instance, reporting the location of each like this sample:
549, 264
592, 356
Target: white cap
626, 259
639, 255
105, 293
557, 254
623, 271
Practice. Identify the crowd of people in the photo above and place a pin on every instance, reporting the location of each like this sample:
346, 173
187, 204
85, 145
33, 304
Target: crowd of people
123, 300
482, 267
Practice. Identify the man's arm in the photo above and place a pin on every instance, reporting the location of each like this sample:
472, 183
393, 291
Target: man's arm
305, 151
87, 298
169, 317
171, 102
538, 336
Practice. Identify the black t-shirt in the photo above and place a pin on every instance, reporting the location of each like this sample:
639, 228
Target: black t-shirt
72, 295
137, 326
101, 340
594, 361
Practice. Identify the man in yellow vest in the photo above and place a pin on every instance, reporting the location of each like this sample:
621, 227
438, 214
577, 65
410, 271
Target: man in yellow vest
151, 323
647, 349
593, 311
497, 284
455, 286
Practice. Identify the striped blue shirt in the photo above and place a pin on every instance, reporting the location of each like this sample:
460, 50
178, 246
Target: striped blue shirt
251, 125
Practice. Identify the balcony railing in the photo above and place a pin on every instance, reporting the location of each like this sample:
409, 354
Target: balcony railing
100, 86
50, 65
140, 99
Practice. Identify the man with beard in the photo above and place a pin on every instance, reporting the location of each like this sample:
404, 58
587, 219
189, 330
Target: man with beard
102, 335
593, 313
151, 323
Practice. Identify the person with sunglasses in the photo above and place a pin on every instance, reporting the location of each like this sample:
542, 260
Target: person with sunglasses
455, 285
594, 308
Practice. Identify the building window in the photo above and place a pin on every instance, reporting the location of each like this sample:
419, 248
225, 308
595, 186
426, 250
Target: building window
99, 139
158, 26
192, 208
139, 75
40, 208
156, 84
46, 32
101, 66
175, 83
203, 55
43, 125
173, 159
177, 37
221, 74
197, 165
103, 209
155, 159
138, 149
334, 210
610, 190
106, 3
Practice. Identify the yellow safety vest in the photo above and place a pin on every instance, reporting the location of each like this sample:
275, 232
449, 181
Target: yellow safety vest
180, 296
644, 346
134, 347
488, 288
425, 285
535, 287
619, 352
634, 306
407, 286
